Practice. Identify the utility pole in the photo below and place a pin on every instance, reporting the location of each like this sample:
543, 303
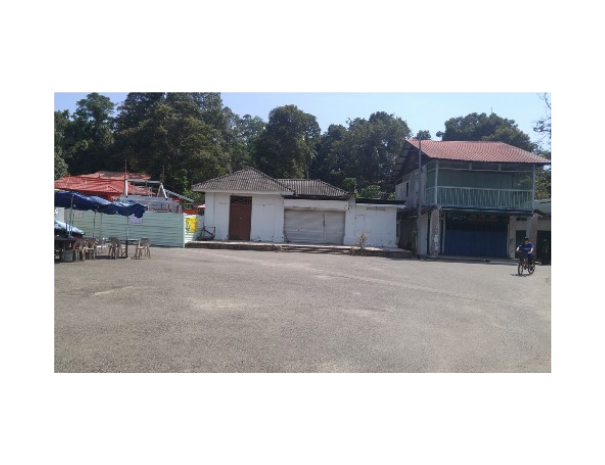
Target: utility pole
125, 178
419, 199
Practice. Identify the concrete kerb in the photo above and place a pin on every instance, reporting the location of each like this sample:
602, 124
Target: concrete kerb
342, 249
307, 248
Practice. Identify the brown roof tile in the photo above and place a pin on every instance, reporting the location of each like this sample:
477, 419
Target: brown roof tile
247, 180
493, 152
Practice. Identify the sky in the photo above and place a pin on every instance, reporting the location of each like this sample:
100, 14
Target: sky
420, 110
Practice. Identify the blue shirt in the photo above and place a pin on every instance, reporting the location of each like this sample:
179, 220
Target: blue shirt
526, 247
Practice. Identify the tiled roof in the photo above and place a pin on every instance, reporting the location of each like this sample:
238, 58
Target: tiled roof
316, 188
98, 186
492, 152
247, 180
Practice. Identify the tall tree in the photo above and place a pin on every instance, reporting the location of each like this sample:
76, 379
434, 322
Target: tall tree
481, 127
287, 146
373, 145
245, 132
543, 125
89, 136
330, 164
424, 135
173, 134
61, 124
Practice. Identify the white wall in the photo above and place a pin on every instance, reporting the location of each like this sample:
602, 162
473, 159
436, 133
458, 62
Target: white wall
267, 224
267, 218
216, 214
379, 222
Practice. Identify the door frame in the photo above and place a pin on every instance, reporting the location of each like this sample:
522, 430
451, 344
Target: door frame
242, 205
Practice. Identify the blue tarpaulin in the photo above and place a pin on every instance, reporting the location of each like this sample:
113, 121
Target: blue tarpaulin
74, 200
64, 227
105, 206
130, 207
77, 201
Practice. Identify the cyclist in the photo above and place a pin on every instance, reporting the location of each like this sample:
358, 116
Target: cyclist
528, 248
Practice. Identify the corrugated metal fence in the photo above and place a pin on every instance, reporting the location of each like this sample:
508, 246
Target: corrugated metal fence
165, 229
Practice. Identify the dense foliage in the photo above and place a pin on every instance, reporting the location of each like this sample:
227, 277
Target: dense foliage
186, 138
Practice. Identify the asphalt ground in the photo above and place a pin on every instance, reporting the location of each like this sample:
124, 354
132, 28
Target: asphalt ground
226, 311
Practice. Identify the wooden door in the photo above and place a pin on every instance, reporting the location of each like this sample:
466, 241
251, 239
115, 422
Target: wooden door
240, 218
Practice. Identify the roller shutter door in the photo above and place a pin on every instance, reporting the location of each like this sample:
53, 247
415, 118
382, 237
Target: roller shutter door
475, 239
314, 227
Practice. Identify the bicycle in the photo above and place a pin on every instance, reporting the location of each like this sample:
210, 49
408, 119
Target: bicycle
525, 266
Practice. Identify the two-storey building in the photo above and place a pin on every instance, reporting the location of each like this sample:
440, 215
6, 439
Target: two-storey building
467, 198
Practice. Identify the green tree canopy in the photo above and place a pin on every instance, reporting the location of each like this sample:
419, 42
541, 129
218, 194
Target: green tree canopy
173, 134
61, 124
88, 138
372, 146
244, 134
481, 127
330, 164
543, 125
424, 135
287, 146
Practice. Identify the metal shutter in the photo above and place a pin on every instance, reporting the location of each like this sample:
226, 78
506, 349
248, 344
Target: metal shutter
314, 227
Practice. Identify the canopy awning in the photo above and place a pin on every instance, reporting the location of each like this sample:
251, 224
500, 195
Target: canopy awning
77, 201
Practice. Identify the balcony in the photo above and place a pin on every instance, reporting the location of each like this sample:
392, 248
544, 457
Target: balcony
504, 199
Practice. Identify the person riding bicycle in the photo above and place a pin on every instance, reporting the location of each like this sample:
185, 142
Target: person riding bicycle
528, 248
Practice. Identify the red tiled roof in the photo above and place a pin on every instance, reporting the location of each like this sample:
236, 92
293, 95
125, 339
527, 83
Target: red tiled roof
98, 186
492, 152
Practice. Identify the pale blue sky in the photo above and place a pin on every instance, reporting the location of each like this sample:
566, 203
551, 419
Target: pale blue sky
426, 111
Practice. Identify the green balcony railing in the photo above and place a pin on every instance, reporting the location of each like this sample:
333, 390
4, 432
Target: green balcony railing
480, 198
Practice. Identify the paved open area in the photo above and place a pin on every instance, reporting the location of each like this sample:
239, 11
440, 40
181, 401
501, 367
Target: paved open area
205, 310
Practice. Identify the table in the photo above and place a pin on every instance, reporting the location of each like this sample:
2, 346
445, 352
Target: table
129, 241
64, 244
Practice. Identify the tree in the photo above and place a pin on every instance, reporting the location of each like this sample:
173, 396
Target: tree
424, 135
543, 126
287, 146
543, 186
330, 165
173, 133
61, 123
89, 135
245, 132
481, 127
372, 146
371, 192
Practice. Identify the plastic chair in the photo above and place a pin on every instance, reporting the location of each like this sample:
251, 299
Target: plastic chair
102, 247
115, 248
143, 248
89, 248
79, 250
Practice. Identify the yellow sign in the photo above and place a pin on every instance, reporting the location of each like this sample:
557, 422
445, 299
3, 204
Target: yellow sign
191, 224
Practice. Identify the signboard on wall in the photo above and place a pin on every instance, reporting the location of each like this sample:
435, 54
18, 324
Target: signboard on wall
191, 224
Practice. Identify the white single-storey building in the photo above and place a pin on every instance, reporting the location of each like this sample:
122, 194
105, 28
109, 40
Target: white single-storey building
248, 205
